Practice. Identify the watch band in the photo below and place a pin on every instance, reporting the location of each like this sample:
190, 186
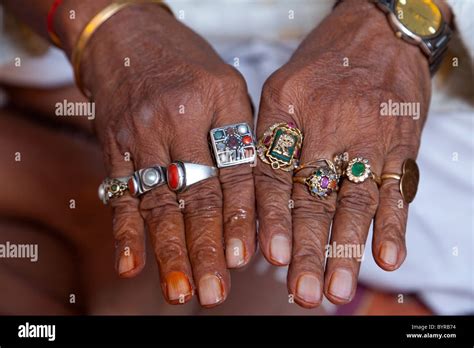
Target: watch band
438, 47
433, 47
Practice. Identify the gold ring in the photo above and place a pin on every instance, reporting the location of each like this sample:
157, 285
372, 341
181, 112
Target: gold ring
358, 170
391, 176
323, 180
280, 146
314, 164
408, 180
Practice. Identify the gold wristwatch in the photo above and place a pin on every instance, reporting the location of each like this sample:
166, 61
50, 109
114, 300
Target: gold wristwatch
421, 23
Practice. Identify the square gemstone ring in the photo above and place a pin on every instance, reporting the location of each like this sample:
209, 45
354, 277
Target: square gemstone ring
280, 146
233, 145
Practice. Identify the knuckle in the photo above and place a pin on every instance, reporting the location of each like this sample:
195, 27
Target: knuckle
391, 227
124, 232
125, 205
156, 204
405, 147
230, 79
205, 252
280, 88
265, 176
168, 247
274, 207
314, 208
308, 254
237, 222
176, 101
123, 138
114, 160
390, 195
361, 200
236, 177
127, 222
203, 199
391, 217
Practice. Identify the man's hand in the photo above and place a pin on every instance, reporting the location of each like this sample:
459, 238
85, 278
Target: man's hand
336, 83
159, 108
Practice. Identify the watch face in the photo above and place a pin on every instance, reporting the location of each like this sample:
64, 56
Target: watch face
421, 17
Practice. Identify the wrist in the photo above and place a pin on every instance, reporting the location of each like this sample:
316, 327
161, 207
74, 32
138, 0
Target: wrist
359, 31
113, 39
71, 18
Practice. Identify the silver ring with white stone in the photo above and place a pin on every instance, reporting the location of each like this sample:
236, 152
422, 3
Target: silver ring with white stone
143, 180
233, 145
112, 188
181, 175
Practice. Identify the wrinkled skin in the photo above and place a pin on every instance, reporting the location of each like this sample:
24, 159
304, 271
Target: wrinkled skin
160, 109
338, 109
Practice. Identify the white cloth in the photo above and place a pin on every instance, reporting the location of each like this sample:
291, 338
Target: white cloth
463, 17
440, 242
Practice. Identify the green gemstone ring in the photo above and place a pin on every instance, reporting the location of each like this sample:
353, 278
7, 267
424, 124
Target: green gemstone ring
358, 170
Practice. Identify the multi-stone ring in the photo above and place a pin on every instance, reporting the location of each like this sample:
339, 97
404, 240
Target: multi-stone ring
141, 181
233, 145
179, 176
323, 180
280, 146
112, 188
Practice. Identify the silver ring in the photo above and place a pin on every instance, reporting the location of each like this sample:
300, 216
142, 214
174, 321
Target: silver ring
113, 188
181, 175
233, 145
143, 180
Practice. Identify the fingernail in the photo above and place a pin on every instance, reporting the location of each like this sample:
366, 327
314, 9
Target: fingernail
280, 249
126, 263
234, 252
341, 284
210, 290
389, 253
308, 288
178, 286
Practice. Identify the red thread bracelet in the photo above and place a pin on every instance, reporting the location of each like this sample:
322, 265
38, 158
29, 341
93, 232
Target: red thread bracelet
50, 23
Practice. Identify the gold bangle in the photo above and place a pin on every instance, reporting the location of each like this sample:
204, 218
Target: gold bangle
91, 27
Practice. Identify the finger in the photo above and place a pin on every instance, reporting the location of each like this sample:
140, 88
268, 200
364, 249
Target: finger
203, 220
273, 189
237, 181
165, 223
388, 244
356, 207
128, 227
312, 217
